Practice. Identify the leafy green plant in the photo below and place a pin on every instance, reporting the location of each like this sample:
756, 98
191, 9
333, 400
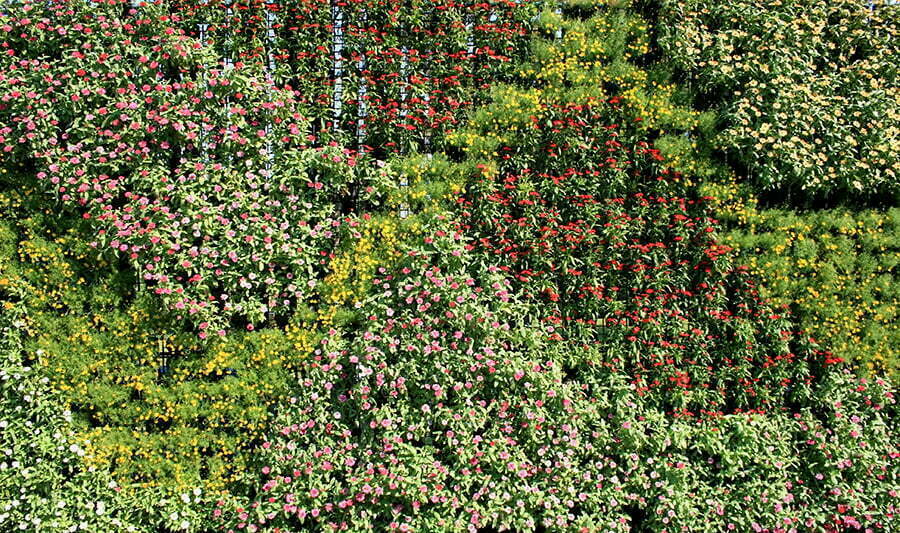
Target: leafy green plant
835, 270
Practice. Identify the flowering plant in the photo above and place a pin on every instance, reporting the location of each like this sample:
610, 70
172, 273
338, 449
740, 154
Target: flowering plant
807, 91
198, 176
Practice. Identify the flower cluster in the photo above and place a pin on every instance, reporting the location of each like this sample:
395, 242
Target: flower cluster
435, 414
391, 76
640, 275
173, 163
836, 270
808, 91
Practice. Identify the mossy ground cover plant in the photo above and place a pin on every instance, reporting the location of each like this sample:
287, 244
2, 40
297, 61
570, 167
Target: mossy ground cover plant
476, 269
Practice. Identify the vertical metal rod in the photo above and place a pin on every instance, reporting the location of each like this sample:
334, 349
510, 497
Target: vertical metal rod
202, 29
362, 110
270, 73
337, 49
404, 82
470, 35
426, 80
270, 41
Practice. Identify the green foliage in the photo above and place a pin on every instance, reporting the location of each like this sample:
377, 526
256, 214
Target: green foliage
149, 423
837, 272
44, 483
172, 161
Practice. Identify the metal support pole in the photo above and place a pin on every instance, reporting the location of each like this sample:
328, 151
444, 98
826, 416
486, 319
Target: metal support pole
337, 50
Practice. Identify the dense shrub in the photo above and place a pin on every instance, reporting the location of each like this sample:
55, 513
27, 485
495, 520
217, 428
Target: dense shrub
44, 484
151, 407
639, 274
46, 480
130, 124
807, 92
566, 196
836, 272
439, 411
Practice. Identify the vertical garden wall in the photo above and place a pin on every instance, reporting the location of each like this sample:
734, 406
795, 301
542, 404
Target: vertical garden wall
435, 266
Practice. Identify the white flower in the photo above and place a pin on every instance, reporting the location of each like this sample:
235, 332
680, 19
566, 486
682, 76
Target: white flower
197, 491
101, 508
